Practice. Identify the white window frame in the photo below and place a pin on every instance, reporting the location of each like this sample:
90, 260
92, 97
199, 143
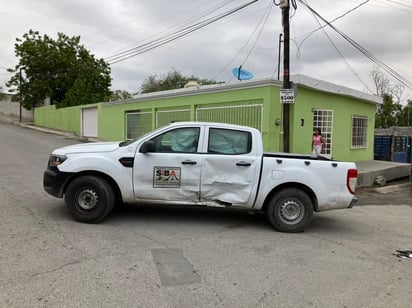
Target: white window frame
359, 132
323, 119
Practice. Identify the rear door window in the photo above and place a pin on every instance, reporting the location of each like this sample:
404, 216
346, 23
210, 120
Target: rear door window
227, 141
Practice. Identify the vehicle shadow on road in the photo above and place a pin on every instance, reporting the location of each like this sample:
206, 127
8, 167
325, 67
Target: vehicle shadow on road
226, 218
223, 217
324, 223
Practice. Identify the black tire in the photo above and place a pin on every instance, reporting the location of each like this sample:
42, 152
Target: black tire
290, 210
90, 199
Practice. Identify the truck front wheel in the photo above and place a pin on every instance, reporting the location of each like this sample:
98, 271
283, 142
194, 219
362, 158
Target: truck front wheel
89, 198
290, 210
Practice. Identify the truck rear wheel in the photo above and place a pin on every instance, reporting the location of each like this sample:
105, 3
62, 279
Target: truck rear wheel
90, 199
290, 210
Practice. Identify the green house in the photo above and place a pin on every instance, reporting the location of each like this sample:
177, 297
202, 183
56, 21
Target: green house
345, 116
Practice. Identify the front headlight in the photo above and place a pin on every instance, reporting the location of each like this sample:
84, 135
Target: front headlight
55, 160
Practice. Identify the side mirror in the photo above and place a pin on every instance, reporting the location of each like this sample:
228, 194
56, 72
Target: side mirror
148, 146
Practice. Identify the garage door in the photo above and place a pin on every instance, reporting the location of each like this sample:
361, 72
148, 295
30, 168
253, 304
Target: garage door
89, 122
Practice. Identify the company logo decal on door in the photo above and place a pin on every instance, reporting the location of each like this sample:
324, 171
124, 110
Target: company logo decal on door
166, 177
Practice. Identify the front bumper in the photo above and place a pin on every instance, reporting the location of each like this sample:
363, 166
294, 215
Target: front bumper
55, 181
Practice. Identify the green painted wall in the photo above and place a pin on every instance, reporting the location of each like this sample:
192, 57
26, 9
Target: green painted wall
343, 109
112, 116
65, 119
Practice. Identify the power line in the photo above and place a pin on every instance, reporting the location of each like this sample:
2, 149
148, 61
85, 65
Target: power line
258, 36
203, 13
400, 3
337, 49
389, 4
333, 20
121, 56
170, 30
171, 37
365, 52
246, 43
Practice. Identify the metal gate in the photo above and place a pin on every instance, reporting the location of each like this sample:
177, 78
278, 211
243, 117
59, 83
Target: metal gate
248, 115
164, 117
138, 124
400, 148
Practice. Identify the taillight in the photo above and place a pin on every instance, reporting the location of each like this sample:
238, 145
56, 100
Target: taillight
351, 180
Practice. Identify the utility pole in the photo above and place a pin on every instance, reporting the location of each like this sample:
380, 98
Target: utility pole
21, 95
284, 5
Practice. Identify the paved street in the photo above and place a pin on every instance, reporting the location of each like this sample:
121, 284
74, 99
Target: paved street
185, 257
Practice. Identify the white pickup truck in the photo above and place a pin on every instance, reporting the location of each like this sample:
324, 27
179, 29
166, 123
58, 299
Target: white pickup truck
199, 164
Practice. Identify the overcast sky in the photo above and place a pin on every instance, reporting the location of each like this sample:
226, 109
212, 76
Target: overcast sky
107, 27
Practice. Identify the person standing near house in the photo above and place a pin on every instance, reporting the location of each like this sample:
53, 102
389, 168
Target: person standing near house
317, 142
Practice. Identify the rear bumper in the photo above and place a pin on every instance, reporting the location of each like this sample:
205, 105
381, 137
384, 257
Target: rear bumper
54, 181
353, 202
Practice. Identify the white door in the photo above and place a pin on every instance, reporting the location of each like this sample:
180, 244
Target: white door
89, 122
229, 168
172, 172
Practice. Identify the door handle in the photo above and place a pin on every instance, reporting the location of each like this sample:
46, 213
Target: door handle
189, 162
243, 164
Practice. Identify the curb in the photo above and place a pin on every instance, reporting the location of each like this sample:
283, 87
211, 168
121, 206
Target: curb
392, 188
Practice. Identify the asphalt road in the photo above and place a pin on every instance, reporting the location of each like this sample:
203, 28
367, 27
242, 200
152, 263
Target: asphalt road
185, 257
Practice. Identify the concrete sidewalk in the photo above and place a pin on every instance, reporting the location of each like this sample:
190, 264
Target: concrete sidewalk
15, 120
368, 171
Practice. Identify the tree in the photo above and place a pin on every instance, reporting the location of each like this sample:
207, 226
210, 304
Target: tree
1, 93
120, 95
388, 114
173, 80
380, 81
384, 86
61, 69
405, 117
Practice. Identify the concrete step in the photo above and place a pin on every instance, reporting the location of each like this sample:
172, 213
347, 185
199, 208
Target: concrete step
380, 171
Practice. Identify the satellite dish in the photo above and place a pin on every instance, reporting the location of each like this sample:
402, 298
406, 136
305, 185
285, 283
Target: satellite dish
242, 74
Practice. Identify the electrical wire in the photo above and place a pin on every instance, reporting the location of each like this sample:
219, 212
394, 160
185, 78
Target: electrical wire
321, 27
400, 3
365, 52
341, 55
256, 40
165, 33
259, 34
262, 19
121, 56
176, 27
384, 4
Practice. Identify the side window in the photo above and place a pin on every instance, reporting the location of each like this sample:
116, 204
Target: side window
184, 140
226, 141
